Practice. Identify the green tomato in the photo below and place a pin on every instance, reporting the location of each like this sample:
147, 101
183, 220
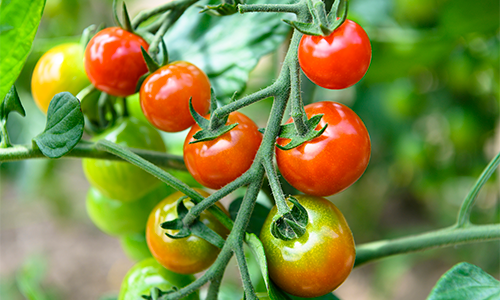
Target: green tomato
135, 246
116, 217
121, 180
134, 108
148, 274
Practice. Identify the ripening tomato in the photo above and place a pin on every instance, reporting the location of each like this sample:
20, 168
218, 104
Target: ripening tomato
319, 261
135, 246
336, 61
187, 255
59, 70
114, 62
116, 217
217, 162
148, 274
122, 180
165, 96
332, 161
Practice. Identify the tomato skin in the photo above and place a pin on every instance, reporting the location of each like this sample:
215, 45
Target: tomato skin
217, 162
59, 70
114, 62
187, 255
135, 246
165, 96
149, 273
331, 162
116, 217
336, 61
121, 180
319, 261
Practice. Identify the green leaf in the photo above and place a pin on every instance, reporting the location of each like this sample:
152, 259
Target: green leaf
64, 127
227, 48
19, 20
466, 281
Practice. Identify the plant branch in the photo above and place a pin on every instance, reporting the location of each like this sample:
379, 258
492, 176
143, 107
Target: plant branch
146, 14
273, 8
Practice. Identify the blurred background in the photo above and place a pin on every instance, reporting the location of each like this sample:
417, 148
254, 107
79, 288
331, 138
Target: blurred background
430, 101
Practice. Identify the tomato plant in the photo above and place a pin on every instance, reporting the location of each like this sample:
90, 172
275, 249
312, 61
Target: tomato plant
188, 255
217, 162
114, 62
319, 261
166, 93
59, 70
121, 180
334, 160
336, 61
148, 274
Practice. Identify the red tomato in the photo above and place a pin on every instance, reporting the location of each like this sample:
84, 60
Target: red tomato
319, 261
187, 255
217, 162
165, 96
336, 61
334, 160
114, 62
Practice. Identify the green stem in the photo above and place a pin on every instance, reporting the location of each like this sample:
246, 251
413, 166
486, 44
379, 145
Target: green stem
440, 238
86, 149
276, 8
213, 289
465, 210
146, 14
298, 114
274, 182
245, 275
162, 175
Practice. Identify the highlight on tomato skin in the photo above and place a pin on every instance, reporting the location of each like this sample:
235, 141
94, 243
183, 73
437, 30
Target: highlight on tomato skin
165, 96
114, 61
319, 261
218, 162
331, 162
339, 60
186, 255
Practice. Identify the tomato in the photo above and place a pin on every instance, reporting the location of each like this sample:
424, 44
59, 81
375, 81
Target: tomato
121, 180
148, 274
116, 217
187, 255
336, 61
165, 96
114, 62
319, 261
59, 70
217, 162
135, 246
332, 161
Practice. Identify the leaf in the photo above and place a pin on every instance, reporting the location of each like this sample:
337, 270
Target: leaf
64, 127
227, 48
11, 103
19, 20
259, 215
466, 281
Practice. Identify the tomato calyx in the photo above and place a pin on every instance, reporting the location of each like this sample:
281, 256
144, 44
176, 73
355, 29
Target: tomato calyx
127, 24
290, 131
291, 225
322, 23
213, 128
152, 63
197, 228
228, 7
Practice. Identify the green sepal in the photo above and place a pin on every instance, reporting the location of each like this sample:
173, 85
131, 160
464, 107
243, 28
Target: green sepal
141, 81
291, 225
223, 9
11, 103
163, 46
150, 62
288, 131
210, 129
126, 19
115, 13
87, 35
322, 24
64, 127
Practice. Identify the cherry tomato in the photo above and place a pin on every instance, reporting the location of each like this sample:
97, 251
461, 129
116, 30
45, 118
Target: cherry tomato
217, 162
135, 246
148, 274
59, 70
114, 62
121, 180
187, 255
334, 160
319, 261
116, 217
165, 96
336, 61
